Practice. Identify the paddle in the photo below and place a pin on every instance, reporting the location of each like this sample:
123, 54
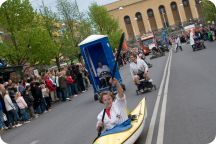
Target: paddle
118, 54
113, 75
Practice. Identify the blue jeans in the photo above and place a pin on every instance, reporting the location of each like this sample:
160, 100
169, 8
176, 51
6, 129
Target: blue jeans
69, 94
43, 105
17, 111
64, 93
59, 93
24, 115
73, 89
1, 119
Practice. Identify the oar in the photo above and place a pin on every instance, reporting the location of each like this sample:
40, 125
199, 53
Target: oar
118, 54
113, 75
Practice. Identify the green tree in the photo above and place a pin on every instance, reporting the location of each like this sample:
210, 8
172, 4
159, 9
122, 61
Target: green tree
28, 42
77, 27
15, 15
105, 24
50, 22
209, 10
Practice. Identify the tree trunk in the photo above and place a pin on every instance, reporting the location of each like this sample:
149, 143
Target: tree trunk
58, 63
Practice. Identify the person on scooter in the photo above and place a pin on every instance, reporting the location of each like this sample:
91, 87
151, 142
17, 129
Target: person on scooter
103, 73
142, 57
138, 69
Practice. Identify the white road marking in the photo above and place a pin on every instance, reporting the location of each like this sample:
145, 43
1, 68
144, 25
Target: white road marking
214, 141
160, 136
35, 142
155, 111
1, 141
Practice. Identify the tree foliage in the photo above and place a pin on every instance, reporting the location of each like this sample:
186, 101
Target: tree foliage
209, 10
105, 24
77, 27
28, 42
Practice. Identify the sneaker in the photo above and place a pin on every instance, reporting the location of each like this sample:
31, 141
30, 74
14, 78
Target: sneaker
84, 91
5, 128
75, 95
68, 99
18, 125
27, 122
45, 111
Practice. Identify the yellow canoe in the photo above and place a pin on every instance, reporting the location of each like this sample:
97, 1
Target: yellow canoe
131, 135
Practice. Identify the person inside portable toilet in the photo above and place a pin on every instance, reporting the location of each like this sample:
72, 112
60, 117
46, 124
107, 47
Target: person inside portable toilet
103, 73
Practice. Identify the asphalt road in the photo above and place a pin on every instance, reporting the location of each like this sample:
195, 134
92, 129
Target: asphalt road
189, 116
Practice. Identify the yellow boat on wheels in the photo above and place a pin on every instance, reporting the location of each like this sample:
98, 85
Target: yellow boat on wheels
129, 136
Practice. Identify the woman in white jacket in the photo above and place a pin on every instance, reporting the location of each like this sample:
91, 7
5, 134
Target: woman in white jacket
11, 113
192, 42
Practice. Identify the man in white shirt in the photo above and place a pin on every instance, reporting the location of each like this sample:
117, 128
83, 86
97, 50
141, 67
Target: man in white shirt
138, 69
103, 73
102, 68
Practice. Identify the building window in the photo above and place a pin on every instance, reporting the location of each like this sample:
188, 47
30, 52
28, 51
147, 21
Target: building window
138, 16
174, 6
162, 10
185, 3
127, 20
150, 13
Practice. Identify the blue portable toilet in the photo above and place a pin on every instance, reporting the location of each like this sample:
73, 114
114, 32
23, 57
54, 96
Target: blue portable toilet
94, 49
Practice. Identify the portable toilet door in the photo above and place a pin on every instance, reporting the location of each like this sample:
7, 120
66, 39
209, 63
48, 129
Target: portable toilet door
94, 49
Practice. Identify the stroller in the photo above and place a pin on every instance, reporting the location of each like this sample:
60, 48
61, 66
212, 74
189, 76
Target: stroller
145, 85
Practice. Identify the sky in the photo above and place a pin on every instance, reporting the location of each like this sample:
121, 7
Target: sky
83, 4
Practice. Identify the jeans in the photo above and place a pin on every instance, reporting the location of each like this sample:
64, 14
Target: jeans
24, 115
12, 117
17, 111
31, 111
64, 93
72, 89
69, 94
43, 105
59, 93
2, 125
48, 102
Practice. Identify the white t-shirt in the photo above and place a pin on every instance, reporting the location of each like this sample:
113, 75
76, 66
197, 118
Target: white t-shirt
118, 113
104, 68
192, 42
140, 65
178, 41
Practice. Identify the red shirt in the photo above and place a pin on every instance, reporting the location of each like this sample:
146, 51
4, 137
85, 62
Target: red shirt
108, 112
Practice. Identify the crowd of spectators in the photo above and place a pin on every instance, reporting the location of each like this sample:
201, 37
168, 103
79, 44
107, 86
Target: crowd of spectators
22, 101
